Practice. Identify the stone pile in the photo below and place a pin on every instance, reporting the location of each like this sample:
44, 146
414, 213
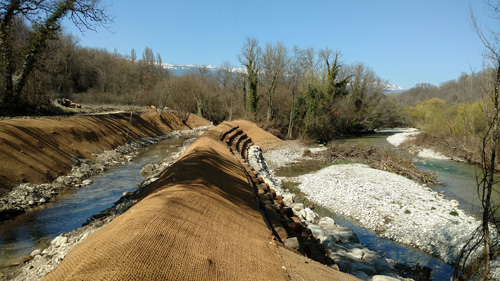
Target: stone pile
341, 243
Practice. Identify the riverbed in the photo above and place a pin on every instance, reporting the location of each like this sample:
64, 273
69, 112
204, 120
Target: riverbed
458, 184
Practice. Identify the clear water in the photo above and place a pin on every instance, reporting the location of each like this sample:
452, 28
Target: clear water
459, 183
36, 229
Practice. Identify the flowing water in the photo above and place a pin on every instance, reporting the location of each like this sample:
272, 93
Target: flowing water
37, 228
459, 183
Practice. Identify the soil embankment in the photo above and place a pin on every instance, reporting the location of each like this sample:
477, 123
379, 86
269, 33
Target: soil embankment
40, 150
199, 221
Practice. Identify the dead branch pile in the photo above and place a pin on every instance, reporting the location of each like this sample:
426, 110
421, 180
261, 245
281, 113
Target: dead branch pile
382, 158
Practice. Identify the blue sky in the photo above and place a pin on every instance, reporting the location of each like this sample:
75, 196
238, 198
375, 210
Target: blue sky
404, 41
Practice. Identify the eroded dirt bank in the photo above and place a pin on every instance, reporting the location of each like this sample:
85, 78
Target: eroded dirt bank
201, 220
40, 150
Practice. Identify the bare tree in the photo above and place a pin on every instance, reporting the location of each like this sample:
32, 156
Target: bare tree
296, 71
483, 246
44, 16
249, 57
274, 61
227, 85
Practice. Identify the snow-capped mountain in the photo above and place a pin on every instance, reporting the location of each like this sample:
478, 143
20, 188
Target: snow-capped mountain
182, 69
391, 88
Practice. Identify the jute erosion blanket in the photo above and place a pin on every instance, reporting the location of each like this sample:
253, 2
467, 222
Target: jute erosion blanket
199, 221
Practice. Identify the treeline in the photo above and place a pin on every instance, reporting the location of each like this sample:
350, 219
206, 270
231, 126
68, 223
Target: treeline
456, 114
292, 92
305, 92
467, 87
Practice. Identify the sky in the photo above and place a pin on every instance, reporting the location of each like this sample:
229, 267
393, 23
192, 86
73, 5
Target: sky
404, 41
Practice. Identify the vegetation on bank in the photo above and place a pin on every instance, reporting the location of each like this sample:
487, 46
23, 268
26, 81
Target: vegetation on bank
454, 116
292, 92
378, 157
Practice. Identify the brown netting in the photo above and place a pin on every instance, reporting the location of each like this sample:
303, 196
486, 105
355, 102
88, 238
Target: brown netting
199, 221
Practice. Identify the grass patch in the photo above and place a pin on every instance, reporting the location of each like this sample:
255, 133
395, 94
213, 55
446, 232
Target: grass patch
407, 212
454, 213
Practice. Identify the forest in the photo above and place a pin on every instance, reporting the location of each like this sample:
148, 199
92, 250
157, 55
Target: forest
292, 92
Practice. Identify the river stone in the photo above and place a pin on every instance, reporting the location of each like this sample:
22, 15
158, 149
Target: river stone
58, 241
297, 207
62, 181
30, 189
31, 202
384, 278
310, 215
288, 199
293, 243
147, 171
42, 200
87, 182
364, 267
36, 252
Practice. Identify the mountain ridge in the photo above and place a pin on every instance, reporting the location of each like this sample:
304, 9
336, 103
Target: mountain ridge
182, 69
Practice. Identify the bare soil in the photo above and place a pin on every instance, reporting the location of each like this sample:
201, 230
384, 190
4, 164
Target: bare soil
39, 150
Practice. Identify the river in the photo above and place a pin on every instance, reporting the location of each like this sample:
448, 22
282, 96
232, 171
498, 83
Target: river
459, 183
37, 228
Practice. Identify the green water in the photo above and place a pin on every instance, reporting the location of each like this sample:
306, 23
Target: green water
459, 183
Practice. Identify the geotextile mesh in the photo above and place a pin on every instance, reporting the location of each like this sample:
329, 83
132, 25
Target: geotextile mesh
199, 221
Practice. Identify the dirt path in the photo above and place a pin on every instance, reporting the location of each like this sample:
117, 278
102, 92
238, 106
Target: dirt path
40, 150
199, 221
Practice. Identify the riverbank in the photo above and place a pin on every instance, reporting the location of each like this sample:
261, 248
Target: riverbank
43, 157
393, 206
43, 260
203, 213
341, 243
403, 136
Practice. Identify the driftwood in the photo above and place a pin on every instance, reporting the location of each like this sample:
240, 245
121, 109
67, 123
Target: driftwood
381, 158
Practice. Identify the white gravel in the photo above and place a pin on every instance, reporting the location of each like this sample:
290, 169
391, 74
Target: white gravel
402, 136
407, 134
288, 154
394, 206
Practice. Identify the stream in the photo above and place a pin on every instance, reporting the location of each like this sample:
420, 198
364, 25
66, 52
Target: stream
459, 183
37, 228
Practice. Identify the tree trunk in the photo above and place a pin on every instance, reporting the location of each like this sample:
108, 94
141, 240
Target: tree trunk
290, 121
491, 171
